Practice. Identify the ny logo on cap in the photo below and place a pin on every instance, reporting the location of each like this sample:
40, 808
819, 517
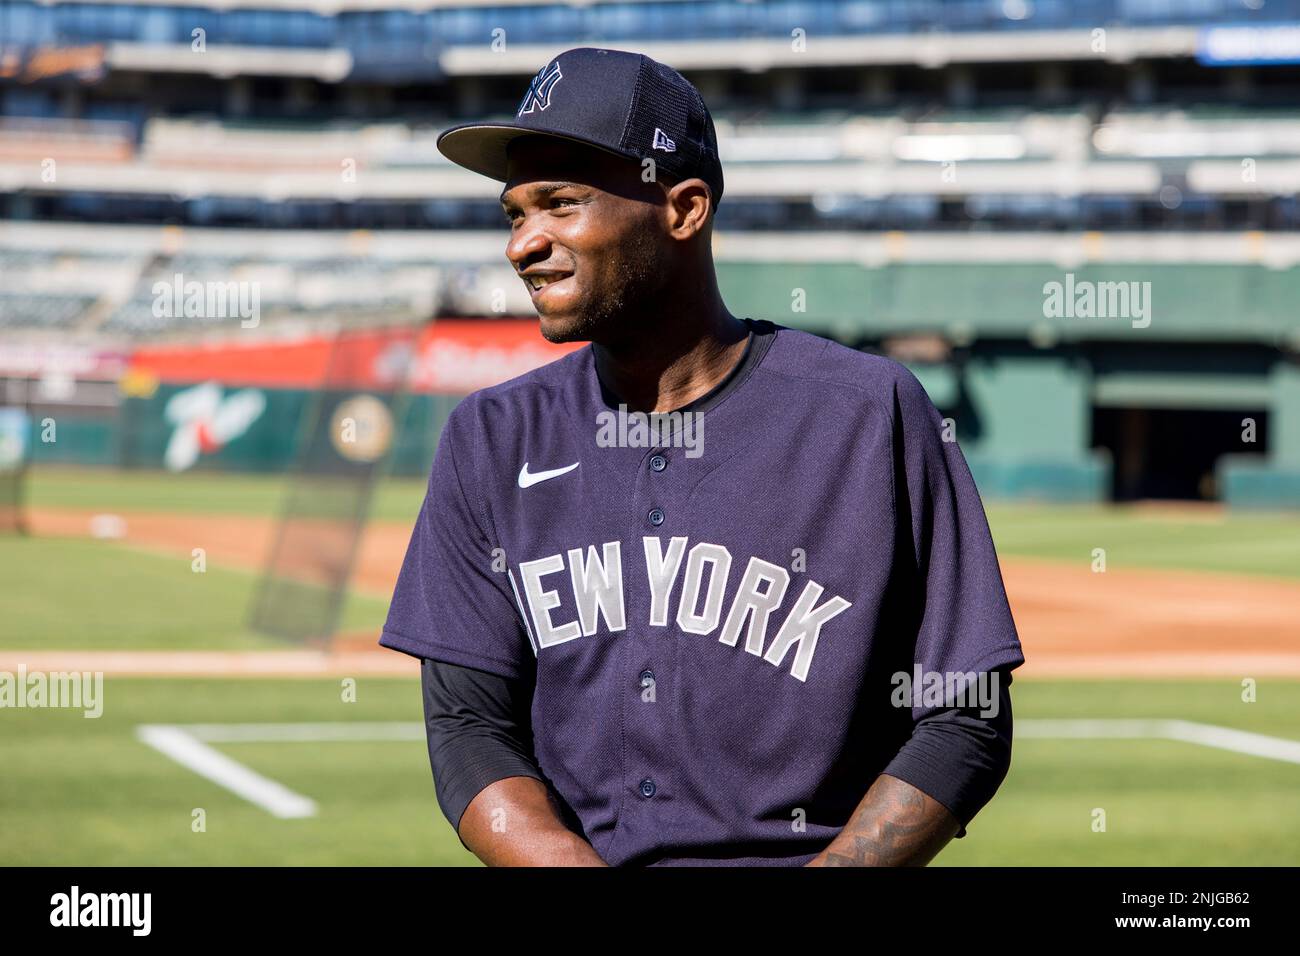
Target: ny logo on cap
663, 142
539, 90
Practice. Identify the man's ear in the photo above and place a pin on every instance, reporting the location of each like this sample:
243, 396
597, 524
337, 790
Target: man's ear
690, 207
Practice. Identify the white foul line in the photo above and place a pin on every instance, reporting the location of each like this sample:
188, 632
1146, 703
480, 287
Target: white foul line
310, 733
193, 754
1207, 735
187, 744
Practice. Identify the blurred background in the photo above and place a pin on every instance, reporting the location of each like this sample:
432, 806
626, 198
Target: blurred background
225, 230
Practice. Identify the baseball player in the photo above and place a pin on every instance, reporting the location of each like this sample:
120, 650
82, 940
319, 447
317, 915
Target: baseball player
709, 590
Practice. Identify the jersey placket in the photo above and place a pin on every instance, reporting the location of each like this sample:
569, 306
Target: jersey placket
650, 673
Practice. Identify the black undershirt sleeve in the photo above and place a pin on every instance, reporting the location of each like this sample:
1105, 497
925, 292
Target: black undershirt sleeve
479, 731
959, 757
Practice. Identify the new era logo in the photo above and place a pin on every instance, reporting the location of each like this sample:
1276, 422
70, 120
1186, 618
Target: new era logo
539, 90
663, 142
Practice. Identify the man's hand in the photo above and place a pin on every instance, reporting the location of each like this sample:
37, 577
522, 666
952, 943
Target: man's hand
528, 830
894, 825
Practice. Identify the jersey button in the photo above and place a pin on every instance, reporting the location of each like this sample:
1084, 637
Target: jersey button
647, 788
658, 462
647, 677
656, 516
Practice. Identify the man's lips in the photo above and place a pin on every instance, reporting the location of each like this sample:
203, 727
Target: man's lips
554, 280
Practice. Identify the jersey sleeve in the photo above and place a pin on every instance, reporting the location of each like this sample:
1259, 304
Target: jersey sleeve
451, 603
964, 621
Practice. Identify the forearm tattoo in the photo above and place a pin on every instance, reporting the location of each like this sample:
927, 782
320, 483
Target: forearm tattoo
894, 825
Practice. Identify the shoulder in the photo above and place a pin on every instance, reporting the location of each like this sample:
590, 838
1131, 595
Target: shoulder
486, 424
847, 376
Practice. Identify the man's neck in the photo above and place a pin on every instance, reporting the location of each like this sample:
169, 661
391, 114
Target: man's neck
676, 363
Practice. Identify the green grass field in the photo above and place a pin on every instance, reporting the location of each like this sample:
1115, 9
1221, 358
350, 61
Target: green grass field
1167, 803
80, 790
1253, 543
87, 791
81, 594
53, 486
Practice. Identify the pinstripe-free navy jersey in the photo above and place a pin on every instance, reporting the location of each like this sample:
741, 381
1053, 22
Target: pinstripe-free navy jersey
716, 605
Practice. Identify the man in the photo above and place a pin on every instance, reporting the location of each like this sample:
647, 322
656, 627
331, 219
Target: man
650, 642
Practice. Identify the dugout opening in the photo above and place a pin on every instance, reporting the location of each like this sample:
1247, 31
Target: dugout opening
1171, 453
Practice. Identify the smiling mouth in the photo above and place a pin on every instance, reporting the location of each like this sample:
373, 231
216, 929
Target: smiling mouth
538, 282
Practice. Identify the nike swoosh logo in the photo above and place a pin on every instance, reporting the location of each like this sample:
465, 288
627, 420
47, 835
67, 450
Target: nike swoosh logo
526, 480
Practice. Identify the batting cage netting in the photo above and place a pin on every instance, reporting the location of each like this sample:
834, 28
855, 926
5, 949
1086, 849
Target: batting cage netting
343, 446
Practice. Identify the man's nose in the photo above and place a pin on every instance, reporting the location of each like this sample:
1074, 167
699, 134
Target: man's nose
527, 243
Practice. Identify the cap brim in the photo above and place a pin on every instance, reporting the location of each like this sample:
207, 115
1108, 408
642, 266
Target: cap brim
481, 148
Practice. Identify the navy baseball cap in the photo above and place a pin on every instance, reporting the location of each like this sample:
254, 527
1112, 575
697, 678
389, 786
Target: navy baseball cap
623, 103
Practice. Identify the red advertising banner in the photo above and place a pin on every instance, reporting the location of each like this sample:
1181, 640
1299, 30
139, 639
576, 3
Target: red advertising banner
453, 356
